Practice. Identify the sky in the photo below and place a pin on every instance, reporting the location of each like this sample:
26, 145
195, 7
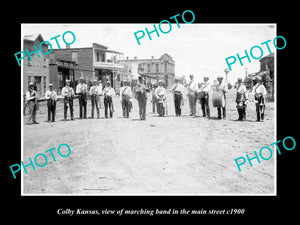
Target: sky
198, 49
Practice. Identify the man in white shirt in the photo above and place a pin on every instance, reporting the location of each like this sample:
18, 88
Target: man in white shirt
31, 98
241, 99
51, 103
160, 93
94, 93
204, 96
259, 91
81, 90
192, 87
68, 94
108, 92
178, 90
125, 96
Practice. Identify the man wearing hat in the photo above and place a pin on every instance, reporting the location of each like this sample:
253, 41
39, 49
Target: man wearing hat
141, 96
222, 87
204, 96
108, 92
125, 96
259, 91
178, 90
31, 98
192, 87
81, 90
94, 98
51, 103
241, 99
68, 94
160, 93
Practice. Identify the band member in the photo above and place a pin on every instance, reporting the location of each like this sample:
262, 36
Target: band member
259, 91
204, 96
81, 90
125, 96
51, 103
222, 87
94, 98
241, 99
178, 90
68, 94
161, 94
153, 99
192, 87
31, 98
141, 96
109, 92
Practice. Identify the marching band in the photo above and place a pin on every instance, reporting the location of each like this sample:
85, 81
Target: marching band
195, 92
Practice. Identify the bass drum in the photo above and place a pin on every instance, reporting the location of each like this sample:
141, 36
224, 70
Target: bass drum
218, 99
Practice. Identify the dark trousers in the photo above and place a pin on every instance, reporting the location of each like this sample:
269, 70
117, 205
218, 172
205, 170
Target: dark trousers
126, 107
142, 101
108, 105
242, 113
154, 103
94, 101
51, 104
260, 107
177, 103
82, 104
161, 109
68, 100
205, 105
32, 111
220, 109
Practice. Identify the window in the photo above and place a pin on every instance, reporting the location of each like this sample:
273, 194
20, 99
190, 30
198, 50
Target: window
166, 67
148, 68
98, 56
75, 57
156, 67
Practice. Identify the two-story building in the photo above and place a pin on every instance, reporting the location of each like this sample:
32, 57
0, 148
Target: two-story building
153, 69
96, 62
36, 70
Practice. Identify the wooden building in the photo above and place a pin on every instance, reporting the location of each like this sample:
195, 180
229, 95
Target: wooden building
36, 70
96, 62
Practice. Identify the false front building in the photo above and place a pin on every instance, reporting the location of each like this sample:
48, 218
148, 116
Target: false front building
96, 62
154, 70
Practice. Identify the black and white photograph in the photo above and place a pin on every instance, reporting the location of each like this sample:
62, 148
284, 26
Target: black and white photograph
167, 116
147, 110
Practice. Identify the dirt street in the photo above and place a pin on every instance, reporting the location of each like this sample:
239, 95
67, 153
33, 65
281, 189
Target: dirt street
171, 155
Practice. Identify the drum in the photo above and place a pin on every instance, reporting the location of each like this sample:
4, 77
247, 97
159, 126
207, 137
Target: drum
218, 99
